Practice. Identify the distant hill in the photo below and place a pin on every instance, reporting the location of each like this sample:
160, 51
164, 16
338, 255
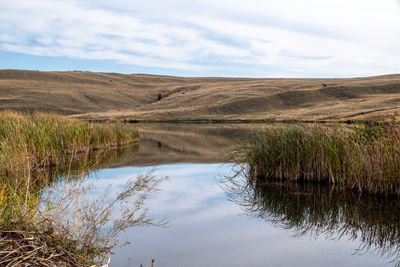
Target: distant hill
151, 97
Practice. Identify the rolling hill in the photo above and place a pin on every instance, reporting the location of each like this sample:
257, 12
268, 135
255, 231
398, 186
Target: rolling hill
110, 96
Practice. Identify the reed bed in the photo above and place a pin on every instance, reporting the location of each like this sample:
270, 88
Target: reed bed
30, 142
35, 230
364, 158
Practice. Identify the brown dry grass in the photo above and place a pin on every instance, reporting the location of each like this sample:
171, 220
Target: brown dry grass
117, 96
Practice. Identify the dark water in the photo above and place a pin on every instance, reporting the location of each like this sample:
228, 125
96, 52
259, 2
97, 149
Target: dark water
217, 220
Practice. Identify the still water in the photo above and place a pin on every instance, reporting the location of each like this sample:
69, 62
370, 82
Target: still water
216, 220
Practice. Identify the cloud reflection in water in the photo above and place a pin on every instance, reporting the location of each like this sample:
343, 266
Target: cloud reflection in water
206, 229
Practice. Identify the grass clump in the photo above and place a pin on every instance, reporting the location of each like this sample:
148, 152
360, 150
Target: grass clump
363, 158
29, 142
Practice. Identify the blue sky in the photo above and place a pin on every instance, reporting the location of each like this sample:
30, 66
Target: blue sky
248, 38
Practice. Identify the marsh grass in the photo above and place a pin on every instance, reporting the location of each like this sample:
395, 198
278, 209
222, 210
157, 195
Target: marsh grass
364, 158
31, 142
63, 228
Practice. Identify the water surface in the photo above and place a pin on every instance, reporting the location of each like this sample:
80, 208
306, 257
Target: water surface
217, 221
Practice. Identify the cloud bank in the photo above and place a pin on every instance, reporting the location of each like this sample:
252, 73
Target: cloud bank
287, 38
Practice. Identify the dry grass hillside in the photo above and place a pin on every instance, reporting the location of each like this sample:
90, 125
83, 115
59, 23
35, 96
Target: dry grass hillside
149, 97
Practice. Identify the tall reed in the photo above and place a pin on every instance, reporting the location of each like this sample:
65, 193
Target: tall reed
32, 228
29, 142
364, 158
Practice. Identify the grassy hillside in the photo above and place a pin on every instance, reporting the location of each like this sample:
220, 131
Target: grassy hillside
119, 96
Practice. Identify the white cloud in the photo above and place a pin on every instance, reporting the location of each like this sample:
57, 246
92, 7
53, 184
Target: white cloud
285, 38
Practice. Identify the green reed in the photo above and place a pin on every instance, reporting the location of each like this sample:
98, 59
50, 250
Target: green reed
33, 149
28, 142
363, 158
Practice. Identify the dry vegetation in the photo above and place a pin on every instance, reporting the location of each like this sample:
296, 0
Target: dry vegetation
61, 227
149, 97
362, 158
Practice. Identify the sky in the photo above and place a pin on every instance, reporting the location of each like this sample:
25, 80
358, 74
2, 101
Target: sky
245, 38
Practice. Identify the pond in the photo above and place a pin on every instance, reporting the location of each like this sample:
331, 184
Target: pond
216, 219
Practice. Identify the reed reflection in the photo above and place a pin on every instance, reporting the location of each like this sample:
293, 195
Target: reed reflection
83, 163
322, 210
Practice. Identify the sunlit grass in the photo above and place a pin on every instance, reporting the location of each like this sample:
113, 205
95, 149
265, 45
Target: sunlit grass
311, 89
277, 92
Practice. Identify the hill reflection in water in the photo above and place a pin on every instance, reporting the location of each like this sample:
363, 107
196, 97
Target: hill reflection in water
186, 143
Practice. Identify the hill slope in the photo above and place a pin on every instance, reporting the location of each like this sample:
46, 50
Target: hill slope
120, 96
